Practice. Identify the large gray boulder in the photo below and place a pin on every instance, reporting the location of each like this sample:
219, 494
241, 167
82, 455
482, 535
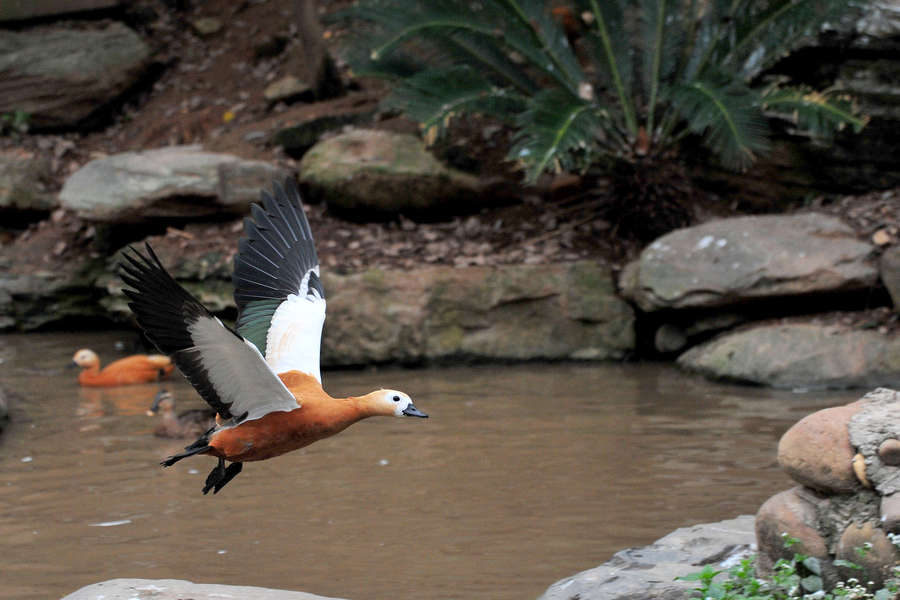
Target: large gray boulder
370, 172
177, 181
649, 573
731, 261
179, 589
800, 354
60, 76
15, 10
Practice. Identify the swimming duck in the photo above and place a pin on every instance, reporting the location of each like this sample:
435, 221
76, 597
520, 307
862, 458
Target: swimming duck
263, 378
188, 423
138, 368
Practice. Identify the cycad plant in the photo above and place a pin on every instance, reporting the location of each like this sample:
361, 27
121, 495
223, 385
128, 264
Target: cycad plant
589, 81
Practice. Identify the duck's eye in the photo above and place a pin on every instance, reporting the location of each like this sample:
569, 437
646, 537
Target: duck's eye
396, 398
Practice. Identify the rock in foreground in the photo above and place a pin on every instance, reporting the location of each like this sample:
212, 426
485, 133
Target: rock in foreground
179, 589
649, 573
846, 460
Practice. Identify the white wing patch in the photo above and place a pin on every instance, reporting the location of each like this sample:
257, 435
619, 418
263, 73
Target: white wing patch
238, 372
295, 335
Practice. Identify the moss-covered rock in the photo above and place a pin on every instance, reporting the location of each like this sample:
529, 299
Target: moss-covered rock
522, 312
367, 172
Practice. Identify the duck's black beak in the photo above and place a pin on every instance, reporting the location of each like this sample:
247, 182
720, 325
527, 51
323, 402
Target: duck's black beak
154, 408
71, 365
412, 411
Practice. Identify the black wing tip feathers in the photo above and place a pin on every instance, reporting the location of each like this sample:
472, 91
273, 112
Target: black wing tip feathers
165, 311
277, 249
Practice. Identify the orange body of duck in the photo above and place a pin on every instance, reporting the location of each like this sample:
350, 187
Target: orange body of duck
319, 416
139, 368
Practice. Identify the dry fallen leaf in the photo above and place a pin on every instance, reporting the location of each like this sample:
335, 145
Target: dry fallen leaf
179, 233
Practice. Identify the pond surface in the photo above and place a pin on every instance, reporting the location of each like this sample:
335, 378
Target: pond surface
523, 475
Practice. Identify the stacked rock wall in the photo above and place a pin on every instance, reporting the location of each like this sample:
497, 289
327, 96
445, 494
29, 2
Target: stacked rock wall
845, 507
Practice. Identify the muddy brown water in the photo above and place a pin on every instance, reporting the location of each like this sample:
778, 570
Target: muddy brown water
523, 475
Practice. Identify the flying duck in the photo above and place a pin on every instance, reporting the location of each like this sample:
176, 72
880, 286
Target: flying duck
139, 368
188, 423
262, 377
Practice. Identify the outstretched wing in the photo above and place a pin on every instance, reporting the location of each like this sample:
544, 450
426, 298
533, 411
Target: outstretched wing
280, 298
227, 370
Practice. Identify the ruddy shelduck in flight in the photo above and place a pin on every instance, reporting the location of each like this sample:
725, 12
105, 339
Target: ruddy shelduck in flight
139, 368
262, 378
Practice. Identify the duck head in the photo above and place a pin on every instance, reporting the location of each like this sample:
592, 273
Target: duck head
391, 403
163, 402
85, 359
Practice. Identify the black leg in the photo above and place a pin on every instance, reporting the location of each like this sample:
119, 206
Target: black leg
230, 473
215, 476
197, 447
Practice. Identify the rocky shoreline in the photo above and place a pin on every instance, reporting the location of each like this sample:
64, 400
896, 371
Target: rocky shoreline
796, 300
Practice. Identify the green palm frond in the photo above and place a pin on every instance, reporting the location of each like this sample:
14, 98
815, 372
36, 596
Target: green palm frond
404, 22
519, 27
762, 32
478, 52
645, 73
526, 26
661, 20
819, 114
556, 129
433, 97
727, 114
608, 42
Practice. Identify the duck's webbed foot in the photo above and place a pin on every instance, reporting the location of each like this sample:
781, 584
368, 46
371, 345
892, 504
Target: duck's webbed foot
219, 476
230, 473
215, 476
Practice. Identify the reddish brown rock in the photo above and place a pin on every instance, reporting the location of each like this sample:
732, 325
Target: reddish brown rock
793, 512
868, 546
816, 451
889, 452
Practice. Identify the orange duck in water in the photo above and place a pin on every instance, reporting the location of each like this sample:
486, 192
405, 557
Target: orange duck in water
139, 368
186, 424
262, 378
